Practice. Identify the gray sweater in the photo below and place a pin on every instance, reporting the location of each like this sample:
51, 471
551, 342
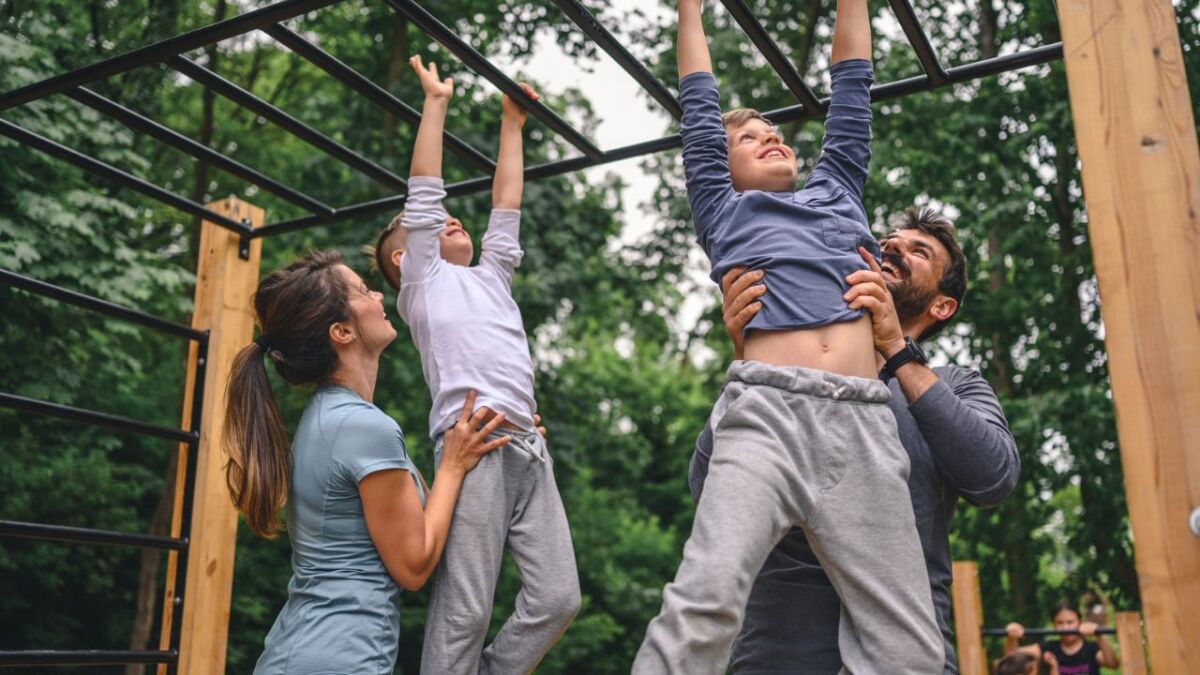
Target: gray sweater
960, 446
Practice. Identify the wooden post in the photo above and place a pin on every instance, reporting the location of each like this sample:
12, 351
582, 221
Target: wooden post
224, 286
1141, 179
968, 618
1129, 641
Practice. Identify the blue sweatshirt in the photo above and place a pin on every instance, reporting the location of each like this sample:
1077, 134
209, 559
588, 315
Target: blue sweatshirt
806, 241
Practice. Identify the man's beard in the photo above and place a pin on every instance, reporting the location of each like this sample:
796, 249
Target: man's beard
910, 300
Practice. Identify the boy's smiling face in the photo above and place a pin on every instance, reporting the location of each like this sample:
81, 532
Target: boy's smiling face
758, 160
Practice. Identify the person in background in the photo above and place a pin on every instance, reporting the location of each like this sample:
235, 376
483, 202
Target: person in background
1075, 655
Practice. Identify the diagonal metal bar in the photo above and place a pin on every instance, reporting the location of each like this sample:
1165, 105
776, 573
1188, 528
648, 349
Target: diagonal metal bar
139, 122
38, 287
919, 41
99, 419
86, 535
770, 50
575, 11
883, 92
477, 62
110, 172
247, 100
371, 91
162, 50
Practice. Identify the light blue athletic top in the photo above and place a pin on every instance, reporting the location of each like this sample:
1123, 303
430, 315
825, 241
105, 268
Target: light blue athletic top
341, 614
807, 241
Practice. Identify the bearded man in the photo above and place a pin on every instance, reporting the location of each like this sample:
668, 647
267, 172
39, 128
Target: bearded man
950, 423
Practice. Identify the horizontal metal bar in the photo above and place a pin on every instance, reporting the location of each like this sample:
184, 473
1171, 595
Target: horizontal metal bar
1045, 632
159, 51
907, 17
138, 122
94, 418
477, 62
794, 113
371, 91
111, 172
774, 56
83, 657
575, 11
85, 301
83, 535
956, 75
247, 100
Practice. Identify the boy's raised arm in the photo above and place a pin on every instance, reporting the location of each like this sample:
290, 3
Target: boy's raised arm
852, 31
427, 152
692, 48
501, 244
510, 165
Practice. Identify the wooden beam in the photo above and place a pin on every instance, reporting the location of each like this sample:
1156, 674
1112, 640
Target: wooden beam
968, 618
1130, 643
1141, 179
224, 285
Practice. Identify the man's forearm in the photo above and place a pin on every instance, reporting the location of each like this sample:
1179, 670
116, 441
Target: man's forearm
915, 379
427, 151
509, 181
852, 31
692, 45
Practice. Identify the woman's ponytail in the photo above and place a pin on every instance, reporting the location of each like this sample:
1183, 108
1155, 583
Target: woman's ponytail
295, 307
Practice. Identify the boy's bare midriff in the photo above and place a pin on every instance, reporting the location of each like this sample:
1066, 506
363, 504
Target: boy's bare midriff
846, 348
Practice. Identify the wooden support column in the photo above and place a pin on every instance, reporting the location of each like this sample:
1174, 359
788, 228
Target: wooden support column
1141, 179
225, 283
1130, 643
968, 618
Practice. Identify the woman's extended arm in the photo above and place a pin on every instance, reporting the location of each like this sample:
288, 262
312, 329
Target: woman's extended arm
410, 539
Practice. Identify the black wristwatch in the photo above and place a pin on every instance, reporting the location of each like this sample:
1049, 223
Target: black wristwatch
911, 352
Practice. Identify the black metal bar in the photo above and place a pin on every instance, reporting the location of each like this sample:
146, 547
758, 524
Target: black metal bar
244, 23
110, 172
919, 41
1046, 632
965, 73
956, 75
770, 50
92, 417
83, 657
247, 100
84, 535
139, 122
371, 91
189, 493
477, 62
576, 12
96, 304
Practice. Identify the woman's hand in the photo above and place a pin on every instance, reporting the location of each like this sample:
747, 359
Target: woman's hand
463, 445
740, 303
537, 424
513, 110
433, 87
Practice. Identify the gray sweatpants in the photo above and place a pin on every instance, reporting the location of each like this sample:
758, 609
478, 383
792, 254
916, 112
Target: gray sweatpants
795, 446
510, 499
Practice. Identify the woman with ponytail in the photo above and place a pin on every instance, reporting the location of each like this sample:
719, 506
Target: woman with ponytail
357, 512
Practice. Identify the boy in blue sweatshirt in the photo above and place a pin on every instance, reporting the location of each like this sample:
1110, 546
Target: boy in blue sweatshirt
802, 432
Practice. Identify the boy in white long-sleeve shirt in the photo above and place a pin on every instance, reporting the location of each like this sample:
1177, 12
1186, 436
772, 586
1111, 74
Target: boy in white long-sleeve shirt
469, 332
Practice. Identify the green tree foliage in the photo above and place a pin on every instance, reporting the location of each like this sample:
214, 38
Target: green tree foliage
623, 383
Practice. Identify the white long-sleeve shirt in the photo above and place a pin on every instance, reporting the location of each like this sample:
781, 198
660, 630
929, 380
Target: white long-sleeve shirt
464, 320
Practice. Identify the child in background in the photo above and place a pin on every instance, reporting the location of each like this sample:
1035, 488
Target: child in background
468, 329
802, 432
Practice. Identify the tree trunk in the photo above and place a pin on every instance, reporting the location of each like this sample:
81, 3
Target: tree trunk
200, 185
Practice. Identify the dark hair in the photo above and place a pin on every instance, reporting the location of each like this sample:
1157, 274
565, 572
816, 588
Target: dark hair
1016, 663
954, 278
295, 307
1065, 605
